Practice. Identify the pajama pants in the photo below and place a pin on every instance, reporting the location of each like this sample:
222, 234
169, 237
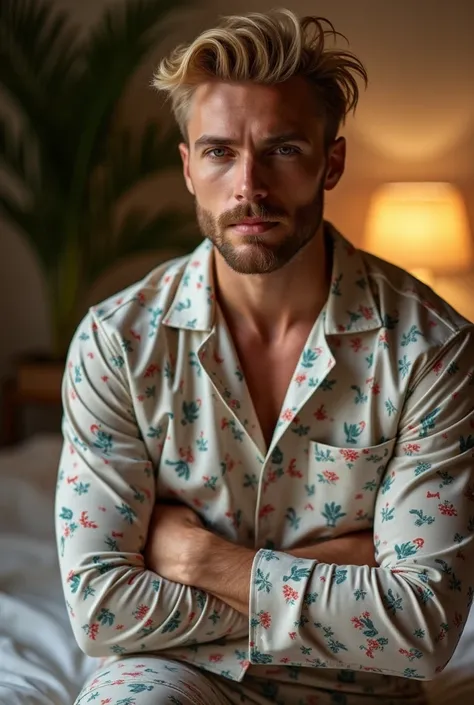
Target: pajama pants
153, 680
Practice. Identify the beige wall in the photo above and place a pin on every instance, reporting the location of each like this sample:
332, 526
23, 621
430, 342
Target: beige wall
416, 122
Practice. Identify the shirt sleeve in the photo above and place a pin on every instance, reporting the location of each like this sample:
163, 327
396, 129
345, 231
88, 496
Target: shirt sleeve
105, 495
404, 617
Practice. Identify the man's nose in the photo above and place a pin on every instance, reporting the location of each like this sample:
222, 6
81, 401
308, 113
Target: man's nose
249, 183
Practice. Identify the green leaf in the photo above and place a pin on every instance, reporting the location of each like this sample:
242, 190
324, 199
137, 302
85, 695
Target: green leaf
38, 59
16, 152
132, 157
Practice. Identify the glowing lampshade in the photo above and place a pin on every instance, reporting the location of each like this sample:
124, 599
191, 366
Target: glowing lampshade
422, 227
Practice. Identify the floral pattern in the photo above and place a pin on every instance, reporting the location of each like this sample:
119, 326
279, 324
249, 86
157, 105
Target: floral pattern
376, 431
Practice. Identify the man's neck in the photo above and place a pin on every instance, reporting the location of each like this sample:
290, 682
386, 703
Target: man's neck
268, 306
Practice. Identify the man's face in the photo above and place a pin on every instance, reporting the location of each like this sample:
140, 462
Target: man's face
257, 166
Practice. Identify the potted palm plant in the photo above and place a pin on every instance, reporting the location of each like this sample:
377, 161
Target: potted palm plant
74, 165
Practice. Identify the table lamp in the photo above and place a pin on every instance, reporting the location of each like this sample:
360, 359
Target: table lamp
422, 227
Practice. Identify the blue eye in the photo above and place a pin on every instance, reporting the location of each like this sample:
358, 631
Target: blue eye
289, 151
212, 153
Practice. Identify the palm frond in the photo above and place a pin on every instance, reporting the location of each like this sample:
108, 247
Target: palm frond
18, 152
132, 157
139, 232
38, 61
115, 50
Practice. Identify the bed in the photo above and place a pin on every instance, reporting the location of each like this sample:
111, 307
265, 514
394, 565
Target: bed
40, 663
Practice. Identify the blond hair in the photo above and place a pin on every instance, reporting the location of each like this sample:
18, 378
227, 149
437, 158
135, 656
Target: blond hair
265, 48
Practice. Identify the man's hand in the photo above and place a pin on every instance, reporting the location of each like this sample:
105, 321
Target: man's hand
174, 536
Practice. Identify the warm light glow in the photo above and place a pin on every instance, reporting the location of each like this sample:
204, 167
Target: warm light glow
420, 226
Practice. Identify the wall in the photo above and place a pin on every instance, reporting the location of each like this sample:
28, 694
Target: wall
415, 122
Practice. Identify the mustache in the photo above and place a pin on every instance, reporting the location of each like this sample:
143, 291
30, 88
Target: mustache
251, 210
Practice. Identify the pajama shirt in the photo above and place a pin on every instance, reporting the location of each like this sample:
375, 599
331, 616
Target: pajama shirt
376, 432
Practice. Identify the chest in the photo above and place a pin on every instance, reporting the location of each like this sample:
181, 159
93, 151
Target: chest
268, 372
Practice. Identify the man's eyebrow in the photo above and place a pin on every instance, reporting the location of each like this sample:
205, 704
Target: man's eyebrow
215, 141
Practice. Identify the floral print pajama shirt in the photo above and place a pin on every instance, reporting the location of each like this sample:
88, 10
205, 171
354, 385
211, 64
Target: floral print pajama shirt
376, 431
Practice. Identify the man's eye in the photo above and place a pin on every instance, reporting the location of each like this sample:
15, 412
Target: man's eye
216, 153
287, 151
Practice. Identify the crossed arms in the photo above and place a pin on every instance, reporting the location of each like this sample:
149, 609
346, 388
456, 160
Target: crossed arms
402, 614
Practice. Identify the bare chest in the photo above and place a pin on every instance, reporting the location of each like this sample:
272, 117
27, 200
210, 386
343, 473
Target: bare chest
268, 373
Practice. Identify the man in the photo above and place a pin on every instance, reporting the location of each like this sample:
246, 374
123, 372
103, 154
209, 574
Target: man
245, 425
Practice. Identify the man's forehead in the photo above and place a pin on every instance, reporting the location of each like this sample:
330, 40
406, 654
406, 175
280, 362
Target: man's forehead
219, 107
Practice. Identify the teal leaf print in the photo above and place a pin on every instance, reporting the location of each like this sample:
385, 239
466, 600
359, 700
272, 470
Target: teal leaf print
139, 687
404, 366
466, 443
405, 550
340, 575
309, 599
389, 322
82, 488
422, 467
277, 456
309, 357
250, 481
293, 518
360, 594
353, 431
332, 513
262, 581
391, 602
370, 360
66, 514
103, 440
297, 574
74, 581
173, 623
428, 422
181, 468
327, 385
190, 412
127, 513
310, 490
411, 336
390, 407
360, 397
194, 362
258, 657
323, 456
106, 617
387, 513
154, 432
269, 554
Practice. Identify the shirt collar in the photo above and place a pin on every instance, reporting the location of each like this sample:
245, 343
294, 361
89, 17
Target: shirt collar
351, 306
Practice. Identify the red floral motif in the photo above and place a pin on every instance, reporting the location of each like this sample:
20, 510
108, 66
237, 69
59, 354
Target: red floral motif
215, 658
186, 454
447, 509
320, 414
141, 612
349, 454
265, 619
292, 471
290, 594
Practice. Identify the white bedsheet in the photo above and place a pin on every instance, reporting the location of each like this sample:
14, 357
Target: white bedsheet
40, 663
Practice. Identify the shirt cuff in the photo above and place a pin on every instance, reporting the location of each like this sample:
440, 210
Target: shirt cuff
278, 601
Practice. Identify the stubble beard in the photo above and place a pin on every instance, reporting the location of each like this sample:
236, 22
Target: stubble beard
255, 254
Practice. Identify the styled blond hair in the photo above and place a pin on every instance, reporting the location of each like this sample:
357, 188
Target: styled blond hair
265, 48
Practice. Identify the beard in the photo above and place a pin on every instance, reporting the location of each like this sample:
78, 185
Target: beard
256, 254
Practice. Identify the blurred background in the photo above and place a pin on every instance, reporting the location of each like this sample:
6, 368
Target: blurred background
91, 195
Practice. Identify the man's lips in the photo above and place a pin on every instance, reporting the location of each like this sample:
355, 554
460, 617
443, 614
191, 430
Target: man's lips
253, 226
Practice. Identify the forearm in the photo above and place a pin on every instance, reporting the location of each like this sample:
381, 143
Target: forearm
224, 569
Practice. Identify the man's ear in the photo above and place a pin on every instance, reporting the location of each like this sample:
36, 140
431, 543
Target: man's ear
336, 163
184, 152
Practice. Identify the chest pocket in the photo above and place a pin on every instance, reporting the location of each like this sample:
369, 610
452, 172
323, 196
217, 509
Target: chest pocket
343, 483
